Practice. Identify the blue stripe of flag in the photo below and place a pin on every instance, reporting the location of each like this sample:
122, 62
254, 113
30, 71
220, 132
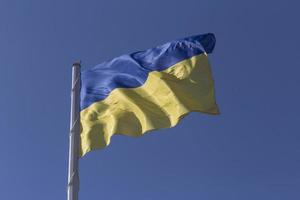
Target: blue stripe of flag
131, 71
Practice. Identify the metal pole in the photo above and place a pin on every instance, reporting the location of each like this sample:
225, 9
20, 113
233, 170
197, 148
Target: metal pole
73, 176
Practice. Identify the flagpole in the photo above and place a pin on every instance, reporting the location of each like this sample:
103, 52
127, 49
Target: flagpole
73, 176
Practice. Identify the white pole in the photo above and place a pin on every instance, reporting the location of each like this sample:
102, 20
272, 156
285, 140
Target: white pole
73, 176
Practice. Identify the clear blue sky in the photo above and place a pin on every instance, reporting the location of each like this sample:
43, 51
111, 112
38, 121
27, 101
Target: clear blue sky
251, 151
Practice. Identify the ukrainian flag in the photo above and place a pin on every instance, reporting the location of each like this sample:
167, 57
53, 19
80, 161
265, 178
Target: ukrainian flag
146, 90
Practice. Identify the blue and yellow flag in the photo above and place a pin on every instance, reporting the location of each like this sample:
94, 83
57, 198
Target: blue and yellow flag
146, 90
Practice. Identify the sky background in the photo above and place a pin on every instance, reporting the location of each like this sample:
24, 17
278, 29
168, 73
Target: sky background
251, 151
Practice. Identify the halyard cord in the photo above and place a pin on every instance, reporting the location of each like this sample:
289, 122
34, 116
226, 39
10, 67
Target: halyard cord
73, 131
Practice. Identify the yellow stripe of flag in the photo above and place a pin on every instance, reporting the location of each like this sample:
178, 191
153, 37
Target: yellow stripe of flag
165, 98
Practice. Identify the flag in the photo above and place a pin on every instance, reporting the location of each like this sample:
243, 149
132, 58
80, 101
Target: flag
146, 90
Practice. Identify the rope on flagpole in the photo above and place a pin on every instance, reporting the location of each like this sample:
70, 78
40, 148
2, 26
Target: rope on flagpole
73, 175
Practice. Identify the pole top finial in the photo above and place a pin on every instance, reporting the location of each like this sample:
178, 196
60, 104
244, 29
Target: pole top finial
77, 63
